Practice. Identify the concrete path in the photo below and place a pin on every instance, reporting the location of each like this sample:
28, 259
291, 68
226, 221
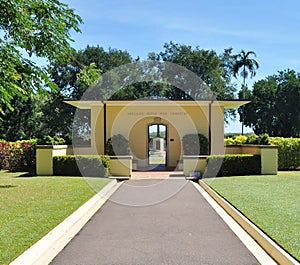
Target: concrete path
156, 222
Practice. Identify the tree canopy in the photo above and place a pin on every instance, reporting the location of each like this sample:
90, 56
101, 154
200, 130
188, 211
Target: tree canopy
87, 66
39, 28
275, 105
206, 64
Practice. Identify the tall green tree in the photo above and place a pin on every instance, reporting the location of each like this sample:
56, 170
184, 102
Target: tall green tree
39, 28
243, 64
275, 105
65, 74
27, 120
206, 64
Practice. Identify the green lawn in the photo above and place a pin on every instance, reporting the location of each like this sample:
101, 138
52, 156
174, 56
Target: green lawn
271, 202
31, 206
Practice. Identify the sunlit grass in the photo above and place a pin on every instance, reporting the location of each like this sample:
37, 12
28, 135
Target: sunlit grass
31, 206
271, 202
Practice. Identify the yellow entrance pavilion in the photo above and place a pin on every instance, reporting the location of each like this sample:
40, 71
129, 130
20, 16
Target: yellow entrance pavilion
154, 130
132, 119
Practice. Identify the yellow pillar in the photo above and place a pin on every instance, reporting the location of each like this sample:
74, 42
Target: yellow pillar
269, 160
97, 132
44, 161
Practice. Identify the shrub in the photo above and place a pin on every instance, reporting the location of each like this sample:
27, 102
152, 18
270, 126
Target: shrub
18, 156
49, 140
233, 165
117, 145
288, 152
195, 144
262, 139
4, 154
93, 166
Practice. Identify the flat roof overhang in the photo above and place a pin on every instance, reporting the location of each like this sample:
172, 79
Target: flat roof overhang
87, 104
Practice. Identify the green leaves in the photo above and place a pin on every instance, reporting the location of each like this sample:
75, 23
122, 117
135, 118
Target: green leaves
32, 27
275, 106
39, 27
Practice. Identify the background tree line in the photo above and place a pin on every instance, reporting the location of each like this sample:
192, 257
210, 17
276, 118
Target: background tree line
274, 108
32, 96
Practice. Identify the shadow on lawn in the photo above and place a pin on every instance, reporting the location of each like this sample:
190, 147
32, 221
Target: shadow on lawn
7, 186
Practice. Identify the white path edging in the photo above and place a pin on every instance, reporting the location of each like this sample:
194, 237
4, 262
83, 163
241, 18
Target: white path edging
254, 234
252, 246
43, 251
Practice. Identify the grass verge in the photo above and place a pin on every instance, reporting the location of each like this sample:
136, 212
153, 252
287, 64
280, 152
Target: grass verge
271, 202
31, 206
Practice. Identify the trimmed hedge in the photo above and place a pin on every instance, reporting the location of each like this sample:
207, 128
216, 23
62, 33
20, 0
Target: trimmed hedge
195, 144
288, 152
233, 165
92, 166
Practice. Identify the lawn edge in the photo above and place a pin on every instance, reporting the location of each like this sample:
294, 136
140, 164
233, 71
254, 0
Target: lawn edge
272, 248
44, 250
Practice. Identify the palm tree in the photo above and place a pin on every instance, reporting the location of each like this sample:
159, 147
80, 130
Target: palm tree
244, 65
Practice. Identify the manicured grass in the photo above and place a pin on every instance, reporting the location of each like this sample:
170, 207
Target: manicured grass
271, 202
31, 206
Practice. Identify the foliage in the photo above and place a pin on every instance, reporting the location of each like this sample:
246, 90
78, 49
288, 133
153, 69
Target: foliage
45, 113
195, 144
288, 148
117, 145
74, 77
275, 105
239, 139
262, 139
48, 140
244, 64
288, 152
89, 75
233, 165
37, 116
206, 64
33, 27
91, 166
270, 202
32, 206
4, 154
18, 156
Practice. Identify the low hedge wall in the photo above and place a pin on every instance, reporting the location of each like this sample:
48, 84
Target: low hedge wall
233, 165
288, 148
93, 166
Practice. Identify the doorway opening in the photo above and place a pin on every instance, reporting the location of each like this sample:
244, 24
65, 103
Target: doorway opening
157, 146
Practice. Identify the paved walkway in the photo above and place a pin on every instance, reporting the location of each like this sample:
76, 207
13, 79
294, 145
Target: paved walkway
156, 222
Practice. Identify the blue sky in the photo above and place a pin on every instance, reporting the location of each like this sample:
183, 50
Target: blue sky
270, 28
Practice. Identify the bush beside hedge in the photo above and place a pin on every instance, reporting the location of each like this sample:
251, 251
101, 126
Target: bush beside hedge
117, 145
93, 166
288, 152
195, 144
262, 139
233, 165
18, 156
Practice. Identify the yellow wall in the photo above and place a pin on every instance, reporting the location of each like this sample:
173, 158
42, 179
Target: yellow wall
44, 163
133, 119
121, 166
217, 130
